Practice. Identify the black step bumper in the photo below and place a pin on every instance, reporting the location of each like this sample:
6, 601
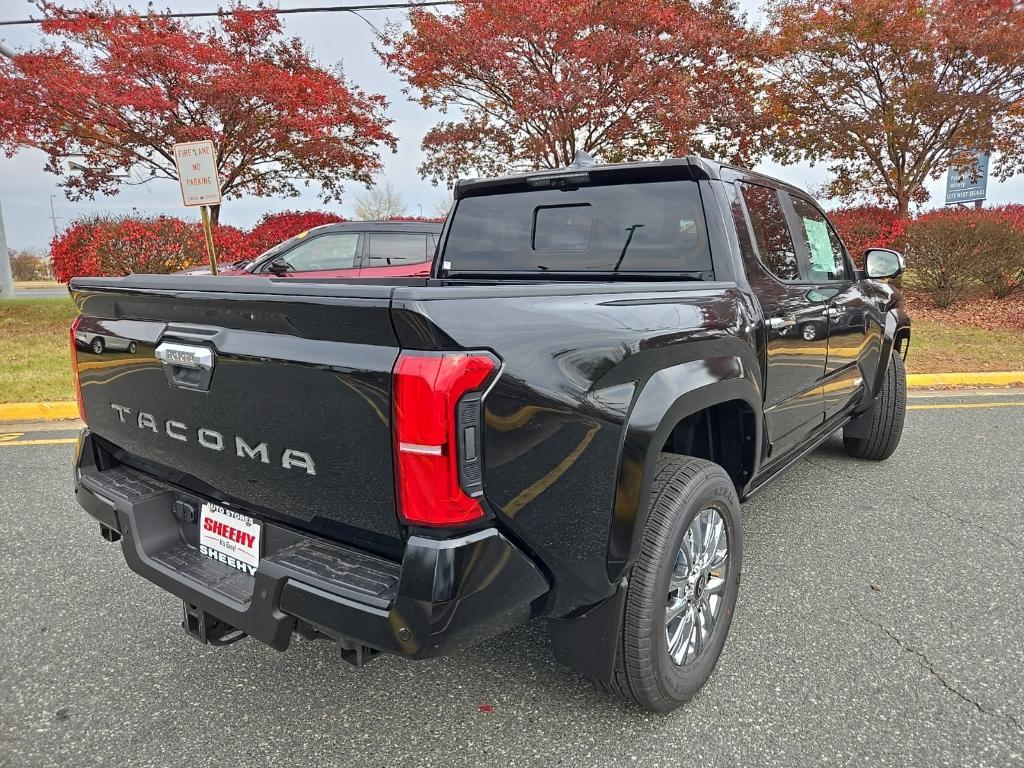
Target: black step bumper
446, 594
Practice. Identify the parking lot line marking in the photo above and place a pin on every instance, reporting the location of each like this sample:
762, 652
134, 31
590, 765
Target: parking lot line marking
43, 441
946, 406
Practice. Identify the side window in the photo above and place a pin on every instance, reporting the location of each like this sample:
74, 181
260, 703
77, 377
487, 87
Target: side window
388, 249
824, 248
771, 232
337, 251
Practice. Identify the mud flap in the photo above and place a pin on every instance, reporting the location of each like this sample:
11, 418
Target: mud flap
860, 427
588, 642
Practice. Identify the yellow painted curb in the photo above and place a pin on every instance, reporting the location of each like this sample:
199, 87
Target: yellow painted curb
38, 411
978, 379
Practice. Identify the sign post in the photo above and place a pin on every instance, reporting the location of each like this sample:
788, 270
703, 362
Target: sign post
968, 186
196, 162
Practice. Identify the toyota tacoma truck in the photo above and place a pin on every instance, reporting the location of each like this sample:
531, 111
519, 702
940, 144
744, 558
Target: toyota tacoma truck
561, 421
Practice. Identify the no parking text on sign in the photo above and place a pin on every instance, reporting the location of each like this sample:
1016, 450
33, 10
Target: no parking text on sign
197, 172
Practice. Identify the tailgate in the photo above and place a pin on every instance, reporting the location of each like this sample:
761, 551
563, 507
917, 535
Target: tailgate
271, 397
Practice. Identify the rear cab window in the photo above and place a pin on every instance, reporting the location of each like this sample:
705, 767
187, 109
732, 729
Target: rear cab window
645, 227
774, 243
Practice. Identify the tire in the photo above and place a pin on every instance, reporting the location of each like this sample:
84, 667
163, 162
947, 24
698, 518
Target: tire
809, 332
132, 347
97, 345
644, 672
887, 416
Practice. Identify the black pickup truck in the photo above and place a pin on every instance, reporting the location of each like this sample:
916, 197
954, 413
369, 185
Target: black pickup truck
560, 422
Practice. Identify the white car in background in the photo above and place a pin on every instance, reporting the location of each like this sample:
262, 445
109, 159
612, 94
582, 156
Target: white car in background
100, 343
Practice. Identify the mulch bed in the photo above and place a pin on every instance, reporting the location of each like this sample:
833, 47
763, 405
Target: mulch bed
983, 312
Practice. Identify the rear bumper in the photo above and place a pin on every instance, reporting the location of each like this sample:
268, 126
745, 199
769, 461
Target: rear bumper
445, 594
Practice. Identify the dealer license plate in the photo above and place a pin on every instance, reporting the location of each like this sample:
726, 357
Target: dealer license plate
230, 538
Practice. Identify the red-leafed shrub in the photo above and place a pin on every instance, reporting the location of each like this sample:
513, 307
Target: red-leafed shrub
72, 253
868, 226
1003, 272
1013, 212
275, 228
112, 246
950, 251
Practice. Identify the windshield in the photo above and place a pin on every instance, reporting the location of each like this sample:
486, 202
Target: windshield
649, 227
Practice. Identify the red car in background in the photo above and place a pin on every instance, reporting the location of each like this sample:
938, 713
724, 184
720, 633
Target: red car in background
346, 249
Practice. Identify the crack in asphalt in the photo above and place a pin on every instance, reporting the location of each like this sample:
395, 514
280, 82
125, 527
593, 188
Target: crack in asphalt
970, 523
931, 506
926, 663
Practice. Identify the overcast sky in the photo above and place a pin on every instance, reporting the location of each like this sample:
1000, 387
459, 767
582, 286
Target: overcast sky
25, 189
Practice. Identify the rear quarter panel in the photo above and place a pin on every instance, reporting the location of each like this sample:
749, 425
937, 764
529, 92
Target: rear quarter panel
576, 360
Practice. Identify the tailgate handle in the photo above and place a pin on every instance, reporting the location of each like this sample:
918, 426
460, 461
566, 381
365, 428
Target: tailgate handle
185, 365
185, 356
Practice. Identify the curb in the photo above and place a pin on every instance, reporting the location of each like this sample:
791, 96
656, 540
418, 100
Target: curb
978, 379
69, 409
38, 411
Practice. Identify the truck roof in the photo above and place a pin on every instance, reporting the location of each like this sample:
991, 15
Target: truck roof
691, 166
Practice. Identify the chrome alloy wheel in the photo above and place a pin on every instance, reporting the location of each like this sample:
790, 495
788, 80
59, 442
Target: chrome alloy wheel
696, 587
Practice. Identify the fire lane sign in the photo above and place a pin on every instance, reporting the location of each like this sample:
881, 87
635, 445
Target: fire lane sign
196, 162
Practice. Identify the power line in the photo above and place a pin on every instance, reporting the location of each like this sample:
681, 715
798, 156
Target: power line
282, 11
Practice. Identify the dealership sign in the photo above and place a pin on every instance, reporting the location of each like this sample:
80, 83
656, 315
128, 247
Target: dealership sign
968, 185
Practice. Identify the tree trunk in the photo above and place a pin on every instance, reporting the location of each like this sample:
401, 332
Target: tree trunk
215, 214
903, 205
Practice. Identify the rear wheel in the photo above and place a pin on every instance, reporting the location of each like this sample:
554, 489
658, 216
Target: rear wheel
683, 587
885, 418
98, 345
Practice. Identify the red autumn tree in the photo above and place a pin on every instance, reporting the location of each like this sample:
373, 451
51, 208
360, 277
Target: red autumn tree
119, 89
892, 92
533, 82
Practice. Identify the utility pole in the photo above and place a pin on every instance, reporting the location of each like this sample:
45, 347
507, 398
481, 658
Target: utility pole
53, 218
6, 278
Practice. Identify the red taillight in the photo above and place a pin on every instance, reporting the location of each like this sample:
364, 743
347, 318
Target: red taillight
74, 367
426, 392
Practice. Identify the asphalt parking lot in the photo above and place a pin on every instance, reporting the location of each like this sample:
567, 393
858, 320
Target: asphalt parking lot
880, 622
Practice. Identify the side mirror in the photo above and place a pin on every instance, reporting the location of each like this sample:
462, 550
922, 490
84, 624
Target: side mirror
882, 263
279, 266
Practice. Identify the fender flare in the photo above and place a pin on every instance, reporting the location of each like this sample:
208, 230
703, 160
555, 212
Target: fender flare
895, 324
588, 640
669, 396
